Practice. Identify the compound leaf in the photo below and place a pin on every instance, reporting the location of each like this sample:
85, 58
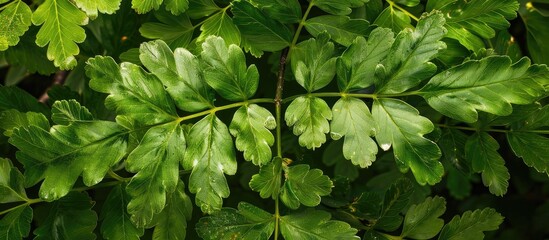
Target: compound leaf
338, 7
11, 119
66, 152
314, 224
61, 28
210, 153
92, 7
225, 70
176, 31
180, 72
177, 7
341, 29
144, 6
61, 220
401, 126
461, 91
116, 223
353, 120
481, 149
309, 117
422, 221
247, 223
313, 63
259, 32
15, 20
267, 181
16, 224
356, 66
171, 223
408, 62
133, 92
156, 162
250, 126
66, 112
471, 225
304, 186
11, 183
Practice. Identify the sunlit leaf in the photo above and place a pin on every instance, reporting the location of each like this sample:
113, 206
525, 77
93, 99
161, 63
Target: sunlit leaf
309, 117
220, 25
11, 119
314, 224
66, 112
15, 20
268, 181
92, 7
313, 63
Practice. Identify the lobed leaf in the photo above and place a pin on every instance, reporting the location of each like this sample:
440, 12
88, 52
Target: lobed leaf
356, 66
156, 162
267, 181
401, 126
220, 24
176, 31
116, 222
66, 152
341, 29
177, 7
314, 224
250, 126
92, 7
304, 186
247, 223
408, 62
210, 154
15, 20
481, 149
66, 112
225, 70
171, 223
422, 221
201, 8
11, 119
353, 120
471, 225
461, 91
11, 183
396, 198
285, 11
313, 63
338, 7
61, 28
309, 117
60, 222
394, 19
16, 224
144, 6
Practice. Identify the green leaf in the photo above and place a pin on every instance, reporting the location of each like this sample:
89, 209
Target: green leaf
15, 20
220, 25
341, 29
408, 3
247, 223
11, 183
537, 35
408, 62
313, 63
201, 8
481, 149
177, 7
180, 72
401, 126
66, 152
461, 91
531, 147
333, 156
171, 223
305, 186
16, 224
116, 222
11, 119
285, 11
61, 28
422, 221
471, 225
18, 99
92, 7
176, 31
144, 6
210, 153
225, 70
70, 217
356, 66
309, 117
156, 162
393, 19
314, 224
338, 7
133, 92
250, 126
267, 181
28, 55
259, 32
66, 112
353, 120
396, 199
471, 21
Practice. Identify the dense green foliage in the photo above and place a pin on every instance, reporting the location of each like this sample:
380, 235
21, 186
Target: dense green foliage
274, 119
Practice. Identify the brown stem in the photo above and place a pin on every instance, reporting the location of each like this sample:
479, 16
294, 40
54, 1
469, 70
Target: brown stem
58, 79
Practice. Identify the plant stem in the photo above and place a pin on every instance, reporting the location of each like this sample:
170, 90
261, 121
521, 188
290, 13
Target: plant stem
393, 4
278, 106
224, 107
27, 203
300, 27
117, 177
342, 94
